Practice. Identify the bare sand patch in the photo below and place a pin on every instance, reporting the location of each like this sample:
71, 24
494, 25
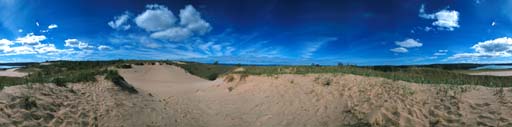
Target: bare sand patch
494, 73
12, 73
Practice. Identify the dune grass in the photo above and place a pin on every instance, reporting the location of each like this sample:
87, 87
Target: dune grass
63, 72
424, 75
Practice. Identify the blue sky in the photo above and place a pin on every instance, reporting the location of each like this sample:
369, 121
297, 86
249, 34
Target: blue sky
363, 32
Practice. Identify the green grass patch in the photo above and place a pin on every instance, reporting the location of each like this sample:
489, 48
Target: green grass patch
61, 72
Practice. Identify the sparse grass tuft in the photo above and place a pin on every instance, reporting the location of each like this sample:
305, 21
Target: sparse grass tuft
410, 74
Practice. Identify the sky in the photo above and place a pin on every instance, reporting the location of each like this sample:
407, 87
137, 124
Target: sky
364, 32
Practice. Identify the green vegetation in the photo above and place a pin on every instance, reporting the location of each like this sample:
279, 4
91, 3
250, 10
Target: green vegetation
409, 74
63, 72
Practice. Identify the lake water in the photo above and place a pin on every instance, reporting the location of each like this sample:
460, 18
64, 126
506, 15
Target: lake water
493, 67
8, 67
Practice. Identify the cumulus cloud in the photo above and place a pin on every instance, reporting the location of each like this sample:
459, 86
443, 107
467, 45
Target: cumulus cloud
52, 26
7, 49
399, 50
120, 22
499, 47
77, 44
71, 43
104, 48
409, 43
5, 42
31, 39
191, 19
156, 18
445, 19
161, 22
46, 48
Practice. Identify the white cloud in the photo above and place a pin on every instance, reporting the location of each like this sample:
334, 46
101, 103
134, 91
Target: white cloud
19, 50
493, 23
409, 43
445, 19
20, 30
5, 42
173, 34
104, 48
31, 39
503, 44
161, 22
120, 22
46, 48
156, 18
440, 53
399, 50
191, 19
86, 46
5, 45
499, 47
37, 24
71, 43
405, 44
78, 44
52, 26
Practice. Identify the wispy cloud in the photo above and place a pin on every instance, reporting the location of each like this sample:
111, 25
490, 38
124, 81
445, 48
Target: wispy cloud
313, 46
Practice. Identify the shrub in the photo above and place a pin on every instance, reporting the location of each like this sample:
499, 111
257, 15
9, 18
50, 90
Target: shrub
58, 82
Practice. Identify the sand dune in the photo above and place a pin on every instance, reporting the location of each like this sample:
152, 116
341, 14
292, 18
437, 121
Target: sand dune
171, 97
12, 73
306, 100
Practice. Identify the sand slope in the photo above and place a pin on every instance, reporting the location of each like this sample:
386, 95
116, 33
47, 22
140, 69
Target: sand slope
305, 100
12, 73
88, 104
168, 96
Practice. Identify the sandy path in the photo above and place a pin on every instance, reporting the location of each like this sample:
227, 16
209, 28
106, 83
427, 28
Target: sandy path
494, 73
12, 73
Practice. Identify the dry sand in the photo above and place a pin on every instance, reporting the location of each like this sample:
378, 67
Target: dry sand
12, 73
171, 97
494, 73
